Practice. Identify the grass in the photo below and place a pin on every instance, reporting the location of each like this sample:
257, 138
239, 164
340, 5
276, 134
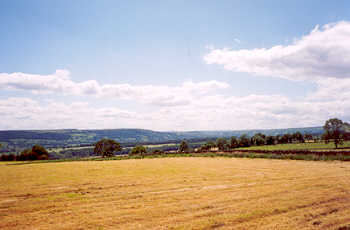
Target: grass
298, 146
176, 193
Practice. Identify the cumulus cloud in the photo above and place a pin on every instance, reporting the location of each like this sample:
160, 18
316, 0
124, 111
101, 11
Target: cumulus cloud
208, 112
190, 106
26, 113
322, 57
323, 53
60, 82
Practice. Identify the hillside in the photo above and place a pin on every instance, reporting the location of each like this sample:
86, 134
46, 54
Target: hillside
16, 140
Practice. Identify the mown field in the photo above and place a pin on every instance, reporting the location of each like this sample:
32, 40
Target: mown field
175, 193
298, 146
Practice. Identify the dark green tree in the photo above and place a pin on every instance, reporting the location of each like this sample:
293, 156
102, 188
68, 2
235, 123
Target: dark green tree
308, 136
184, 146
221, 143
107, 147
37, 152
258, 139
286, 138
208, 146
41, 152
157, 151
270, 140
334, 129
233, 142
244, 141
138, 149
297, 136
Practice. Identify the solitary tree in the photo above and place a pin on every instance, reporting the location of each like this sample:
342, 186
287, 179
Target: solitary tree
333, 131
107, 147
183, 147
41, 152
138, 149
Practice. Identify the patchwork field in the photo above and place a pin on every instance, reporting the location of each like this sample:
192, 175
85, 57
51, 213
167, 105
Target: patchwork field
176, 193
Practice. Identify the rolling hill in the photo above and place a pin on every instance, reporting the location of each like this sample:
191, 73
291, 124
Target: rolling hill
17, 140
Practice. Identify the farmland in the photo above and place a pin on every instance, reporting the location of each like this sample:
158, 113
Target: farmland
175, 193
299, 146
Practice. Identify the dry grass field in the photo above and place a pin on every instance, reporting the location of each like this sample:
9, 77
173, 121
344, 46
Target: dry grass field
176, 193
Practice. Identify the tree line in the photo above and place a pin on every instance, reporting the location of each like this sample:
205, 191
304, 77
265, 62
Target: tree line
335, 131
37, 152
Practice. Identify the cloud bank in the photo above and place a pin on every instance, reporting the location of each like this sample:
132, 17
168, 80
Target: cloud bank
60, 83
321, 57
323, 53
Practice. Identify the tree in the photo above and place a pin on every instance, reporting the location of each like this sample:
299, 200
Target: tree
37, 152
107, 147
308, 136
208, 146
334, 129
221, 143
244, 141
40, 152
138, 149
297, 136
286, 138
270, 140
233, 142
258, 139
183, 146
157, 151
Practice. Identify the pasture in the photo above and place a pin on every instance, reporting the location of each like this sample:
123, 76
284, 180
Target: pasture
175, 193
299, 146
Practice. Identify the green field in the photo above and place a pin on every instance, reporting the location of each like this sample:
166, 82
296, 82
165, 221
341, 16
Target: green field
298, 146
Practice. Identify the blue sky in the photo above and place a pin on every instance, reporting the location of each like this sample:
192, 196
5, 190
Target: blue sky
172, 65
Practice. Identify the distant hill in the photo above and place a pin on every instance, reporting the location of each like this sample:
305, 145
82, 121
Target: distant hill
17, 140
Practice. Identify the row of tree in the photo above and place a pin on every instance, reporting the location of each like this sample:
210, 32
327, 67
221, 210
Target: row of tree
108, 147
335, 130
37, 152
259, 139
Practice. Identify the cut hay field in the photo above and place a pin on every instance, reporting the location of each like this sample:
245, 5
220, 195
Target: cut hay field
176, 193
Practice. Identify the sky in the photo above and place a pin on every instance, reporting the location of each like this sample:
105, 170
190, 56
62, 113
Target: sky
173, 65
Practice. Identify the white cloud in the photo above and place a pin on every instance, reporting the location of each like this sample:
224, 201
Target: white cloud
237, 40
190, 106
207, 112
322, 57
60, 82
323, 53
